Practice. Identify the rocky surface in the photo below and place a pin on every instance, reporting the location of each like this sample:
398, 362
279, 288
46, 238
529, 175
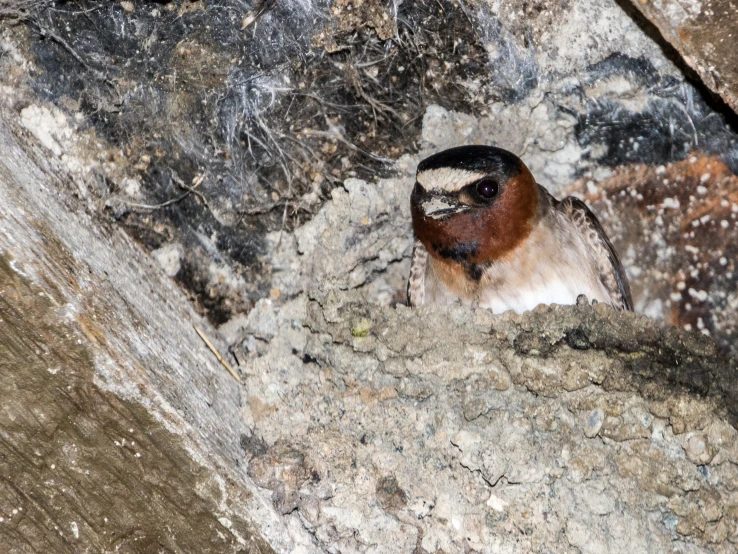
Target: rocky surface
264, 155
704, 33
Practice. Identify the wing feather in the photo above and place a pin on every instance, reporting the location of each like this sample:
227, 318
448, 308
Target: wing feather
611, 270
416, 280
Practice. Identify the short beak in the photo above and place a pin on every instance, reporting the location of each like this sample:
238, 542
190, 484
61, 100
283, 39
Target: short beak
435, 205
438, 207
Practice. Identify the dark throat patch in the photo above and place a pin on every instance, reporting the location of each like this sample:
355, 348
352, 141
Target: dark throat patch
460, 253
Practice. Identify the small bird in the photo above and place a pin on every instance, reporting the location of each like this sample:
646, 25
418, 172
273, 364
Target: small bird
489, 236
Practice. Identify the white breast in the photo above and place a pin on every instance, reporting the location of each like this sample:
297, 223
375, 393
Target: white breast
554, 266
552, 291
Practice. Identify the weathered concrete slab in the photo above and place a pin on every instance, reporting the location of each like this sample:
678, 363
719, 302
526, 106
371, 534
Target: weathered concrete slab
120, 430
705, 32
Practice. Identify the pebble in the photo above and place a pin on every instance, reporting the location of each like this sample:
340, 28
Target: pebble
594, 421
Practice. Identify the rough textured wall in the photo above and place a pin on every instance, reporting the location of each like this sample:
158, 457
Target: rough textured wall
679, 240
264, 154
565, 430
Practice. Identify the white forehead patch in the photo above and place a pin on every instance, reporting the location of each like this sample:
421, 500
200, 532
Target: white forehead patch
447, 178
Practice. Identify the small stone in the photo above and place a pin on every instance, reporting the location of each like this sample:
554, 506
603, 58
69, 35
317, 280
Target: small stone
132, 188
421, 507
390, 496
620, 429
575, 378
395, 367
501, 381
494, 464
593, 423
282, 465
169, 257
497, 503
698, 449
262, 320
474, 407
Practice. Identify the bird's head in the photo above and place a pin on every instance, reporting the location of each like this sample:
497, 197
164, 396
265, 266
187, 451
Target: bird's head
473, 204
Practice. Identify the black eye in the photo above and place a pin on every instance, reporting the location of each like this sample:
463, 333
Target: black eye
487, 188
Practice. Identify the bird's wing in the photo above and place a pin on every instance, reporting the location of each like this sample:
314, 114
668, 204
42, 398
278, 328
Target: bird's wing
611, 270
416, 280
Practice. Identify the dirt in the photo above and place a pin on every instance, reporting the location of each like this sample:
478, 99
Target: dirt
443, 429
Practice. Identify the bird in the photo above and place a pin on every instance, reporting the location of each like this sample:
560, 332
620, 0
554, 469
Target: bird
487, 235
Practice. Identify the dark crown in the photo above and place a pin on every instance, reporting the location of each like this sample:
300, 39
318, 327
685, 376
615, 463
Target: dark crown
486, 159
